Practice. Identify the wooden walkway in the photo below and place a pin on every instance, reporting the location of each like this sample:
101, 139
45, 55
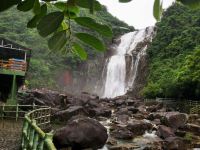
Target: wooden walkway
10, 134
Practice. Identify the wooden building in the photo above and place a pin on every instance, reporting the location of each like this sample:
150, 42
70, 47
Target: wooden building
14, 62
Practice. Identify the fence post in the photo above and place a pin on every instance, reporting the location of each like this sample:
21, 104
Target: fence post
3, 108
48, 138
24, 134
32, 133
17, 111
35, 141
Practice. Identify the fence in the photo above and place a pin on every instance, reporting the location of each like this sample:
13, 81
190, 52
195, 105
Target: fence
33, 137
188, 106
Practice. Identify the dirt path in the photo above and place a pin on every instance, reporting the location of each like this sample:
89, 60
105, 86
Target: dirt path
10, 134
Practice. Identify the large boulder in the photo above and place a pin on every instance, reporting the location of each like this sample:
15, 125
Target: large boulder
175, 143
195, 129
100, 112
65, 115
138, 127
80, 134
165, 132
175, 119
121, 132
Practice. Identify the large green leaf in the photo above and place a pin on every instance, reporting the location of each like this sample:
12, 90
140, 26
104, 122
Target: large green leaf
36, 7
63, 26
49, 0
34, 21
91, 23
195, 4
61, 5
157, 10
50, 23
124, 1
87, 4
5, 4
58, 41
78, 50
26, 5
91, 40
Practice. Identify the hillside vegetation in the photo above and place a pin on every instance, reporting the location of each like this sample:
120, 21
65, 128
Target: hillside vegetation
46, 65
175, 56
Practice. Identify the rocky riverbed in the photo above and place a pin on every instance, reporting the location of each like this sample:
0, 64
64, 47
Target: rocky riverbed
130, 123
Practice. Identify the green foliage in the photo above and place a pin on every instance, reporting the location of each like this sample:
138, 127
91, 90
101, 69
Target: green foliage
91, 40
188, 136
157, 10
46, 66
91, 24
78, 50
172, 51
26, 5
34, 21
50, 23
124, 1
5, 4
195, 4
58, 40
47, 24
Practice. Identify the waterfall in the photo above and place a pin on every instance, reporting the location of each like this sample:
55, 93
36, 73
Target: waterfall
132, 45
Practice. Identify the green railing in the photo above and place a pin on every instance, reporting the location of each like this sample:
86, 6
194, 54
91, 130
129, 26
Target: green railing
33, 136
15, 111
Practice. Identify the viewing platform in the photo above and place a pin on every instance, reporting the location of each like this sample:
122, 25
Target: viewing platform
14, 58
14, 62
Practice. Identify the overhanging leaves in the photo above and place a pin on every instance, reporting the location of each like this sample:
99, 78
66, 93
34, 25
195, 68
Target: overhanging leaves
157, 10
34, 21
58, 40
36, 7
91, 40
124, 1
78, 50
195, 4
87, 4
49, 23
26, 5
5, 4
91, 23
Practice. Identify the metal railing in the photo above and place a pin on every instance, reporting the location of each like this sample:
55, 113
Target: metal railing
33, 136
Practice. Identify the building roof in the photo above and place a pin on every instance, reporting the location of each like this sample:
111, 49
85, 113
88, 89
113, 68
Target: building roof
12, 45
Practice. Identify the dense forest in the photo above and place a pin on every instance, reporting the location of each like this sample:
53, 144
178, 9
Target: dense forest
175, 55
46, 65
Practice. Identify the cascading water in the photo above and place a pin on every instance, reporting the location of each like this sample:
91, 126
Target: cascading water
134, 45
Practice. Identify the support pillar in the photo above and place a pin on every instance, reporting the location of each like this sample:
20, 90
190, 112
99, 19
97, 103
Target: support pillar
12, 100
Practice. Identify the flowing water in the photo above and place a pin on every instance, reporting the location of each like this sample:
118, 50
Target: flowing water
132, 45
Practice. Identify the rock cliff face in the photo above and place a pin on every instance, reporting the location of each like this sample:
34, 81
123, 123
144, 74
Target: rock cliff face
123, 68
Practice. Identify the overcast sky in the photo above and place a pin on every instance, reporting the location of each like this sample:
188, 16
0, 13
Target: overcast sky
138, 13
